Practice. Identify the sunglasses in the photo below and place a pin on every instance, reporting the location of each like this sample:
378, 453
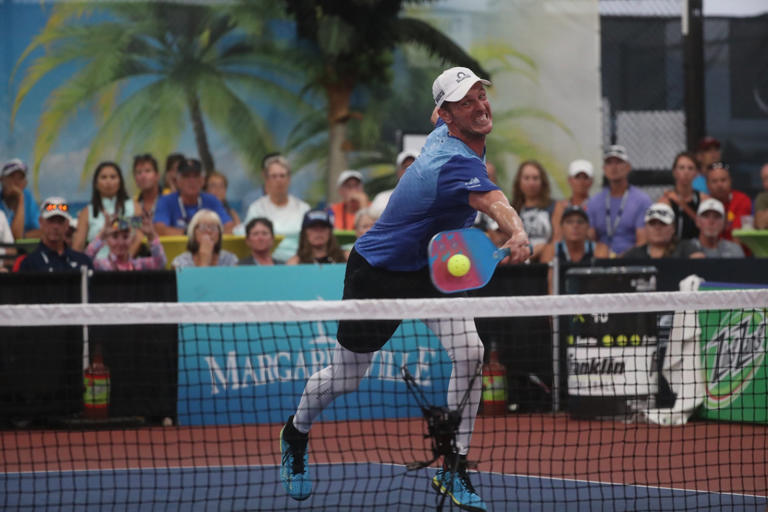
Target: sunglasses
659, 215
210, 228
718, 165
52, 207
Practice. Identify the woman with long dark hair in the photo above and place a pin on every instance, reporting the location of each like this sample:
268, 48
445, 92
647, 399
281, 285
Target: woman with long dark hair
316, 241
109, 199
531, 198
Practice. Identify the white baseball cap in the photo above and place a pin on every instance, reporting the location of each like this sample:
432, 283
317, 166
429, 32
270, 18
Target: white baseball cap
405, 154
711, 205
660, 211
348, 174
453, 84
617, 151
54, 206
579, 166
12, 166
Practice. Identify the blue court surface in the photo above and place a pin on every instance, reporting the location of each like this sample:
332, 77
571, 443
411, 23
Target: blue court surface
338, 487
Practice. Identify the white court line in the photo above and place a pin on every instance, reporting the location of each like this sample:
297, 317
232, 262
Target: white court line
261, 466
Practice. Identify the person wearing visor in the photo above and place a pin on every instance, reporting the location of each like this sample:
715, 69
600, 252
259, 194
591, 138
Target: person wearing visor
660, 235
580, 176
118, 234
52, 253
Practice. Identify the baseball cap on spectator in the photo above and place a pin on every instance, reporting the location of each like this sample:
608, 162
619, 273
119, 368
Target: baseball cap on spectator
711, 205
574, 209
55, 206
617, 151
708, 142
661, 212
119, 224
453, 84
317, 218
347, 175
405, 154
578, 166
190, 165
12, 166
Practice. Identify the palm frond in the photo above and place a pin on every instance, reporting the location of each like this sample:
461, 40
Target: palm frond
421, 33
246, 131
149, 120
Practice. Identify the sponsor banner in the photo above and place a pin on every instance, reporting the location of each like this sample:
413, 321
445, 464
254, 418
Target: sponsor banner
600, 371
733, 348
255, 373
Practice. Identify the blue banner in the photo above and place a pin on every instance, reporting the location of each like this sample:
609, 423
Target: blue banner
256, 372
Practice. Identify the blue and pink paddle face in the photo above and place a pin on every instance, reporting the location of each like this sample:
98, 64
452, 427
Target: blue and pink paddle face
473, 244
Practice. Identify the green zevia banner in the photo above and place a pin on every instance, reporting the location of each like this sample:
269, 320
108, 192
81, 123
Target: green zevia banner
733, 347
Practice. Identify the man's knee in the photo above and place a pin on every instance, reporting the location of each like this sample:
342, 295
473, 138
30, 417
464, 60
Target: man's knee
346, 382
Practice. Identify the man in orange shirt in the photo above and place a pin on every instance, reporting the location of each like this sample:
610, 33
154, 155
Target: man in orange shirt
353, 198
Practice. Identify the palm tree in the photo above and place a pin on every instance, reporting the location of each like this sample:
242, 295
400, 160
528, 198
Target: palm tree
150, 69
349, 43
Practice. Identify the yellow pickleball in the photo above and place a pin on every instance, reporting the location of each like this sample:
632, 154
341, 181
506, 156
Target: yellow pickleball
458, 265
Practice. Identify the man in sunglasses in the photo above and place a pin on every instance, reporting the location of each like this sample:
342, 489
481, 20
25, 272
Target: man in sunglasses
53, 254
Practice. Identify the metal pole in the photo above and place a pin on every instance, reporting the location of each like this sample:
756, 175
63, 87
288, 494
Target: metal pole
555, 266
84, 300
692, 25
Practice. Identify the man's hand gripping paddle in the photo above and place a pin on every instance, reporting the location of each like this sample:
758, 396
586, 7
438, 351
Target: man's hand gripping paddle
462, 259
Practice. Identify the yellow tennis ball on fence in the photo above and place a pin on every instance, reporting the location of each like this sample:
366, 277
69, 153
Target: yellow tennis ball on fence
458, 265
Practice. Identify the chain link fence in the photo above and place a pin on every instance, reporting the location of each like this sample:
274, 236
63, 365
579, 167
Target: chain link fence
643, 88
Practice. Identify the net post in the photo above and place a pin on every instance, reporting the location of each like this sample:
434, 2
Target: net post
84, 300
555, 267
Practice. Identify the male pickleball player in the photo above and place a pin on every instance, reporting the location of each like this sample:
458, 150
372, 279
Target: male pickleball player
442, 190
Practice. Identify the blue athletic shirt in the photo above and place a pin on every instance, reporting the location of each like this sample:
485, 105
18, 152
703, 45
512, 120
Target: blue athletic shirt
169, 211
432, 196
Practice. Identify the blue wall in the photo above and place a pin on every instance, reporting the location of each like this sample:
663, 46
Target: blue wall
255, 373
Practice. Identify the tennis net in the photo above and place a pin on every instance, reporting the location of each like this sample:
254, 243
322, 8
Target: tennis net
636, 401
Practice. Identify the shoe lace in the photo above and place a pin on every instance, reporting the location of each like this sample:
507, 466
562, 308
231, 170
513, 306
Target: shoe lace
463, 477
297, 459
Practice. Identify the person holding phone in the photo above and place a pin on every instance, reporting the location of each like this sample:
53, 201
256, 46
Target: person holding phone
118, 234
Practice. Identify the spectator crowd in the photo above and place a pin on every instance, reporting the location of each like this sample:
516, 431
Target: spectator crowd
695, 218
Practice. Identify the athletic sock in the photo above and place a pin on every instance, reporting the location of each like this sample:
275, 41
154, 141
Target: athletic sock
293, 436
450, 460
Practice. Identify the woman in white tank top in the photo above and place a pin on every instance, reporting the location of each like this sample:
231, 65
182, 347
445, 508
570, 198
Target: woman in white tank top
108, 199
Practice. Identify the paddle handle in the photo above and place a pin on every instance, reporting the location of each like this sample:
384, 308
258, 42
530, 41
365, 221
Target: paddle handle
500, 254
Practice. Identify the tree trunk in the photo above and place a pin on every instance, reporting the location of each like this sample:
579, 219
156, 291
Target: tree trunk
338, 94
201, 138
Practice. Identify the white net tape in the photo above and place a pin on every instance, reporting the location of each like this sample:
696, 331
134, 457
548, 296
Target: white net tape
379, 309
